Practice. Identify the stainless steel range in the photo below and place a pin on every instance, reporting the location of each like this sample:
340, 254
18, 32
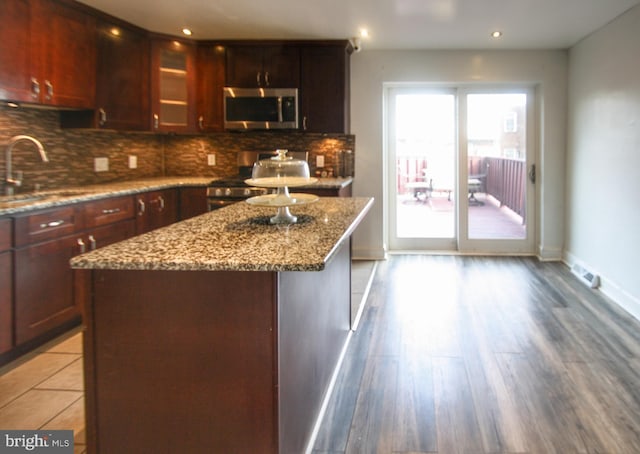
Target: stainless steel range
228, 190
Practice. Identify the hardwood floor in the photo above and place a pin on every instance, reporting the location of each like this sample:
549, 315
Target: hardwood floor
486, 355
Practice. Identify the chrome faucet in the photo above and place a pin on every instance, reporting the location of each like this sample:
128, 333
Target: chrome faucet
15, 182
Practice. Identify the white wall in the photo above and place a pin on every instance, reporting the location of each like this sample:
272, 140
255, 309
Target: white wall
603, 160
547, 70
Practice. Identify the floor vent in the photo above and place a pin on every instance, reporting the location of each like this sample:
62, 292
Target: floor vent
586, 276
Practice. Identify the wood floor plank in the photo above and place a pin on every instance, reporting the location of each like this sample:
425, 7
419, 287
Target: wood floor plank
372, 426
456, 418
414, 421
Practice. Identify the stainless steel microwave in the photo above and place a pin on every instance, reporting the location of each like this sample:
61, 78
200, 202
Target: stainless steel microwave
260, 108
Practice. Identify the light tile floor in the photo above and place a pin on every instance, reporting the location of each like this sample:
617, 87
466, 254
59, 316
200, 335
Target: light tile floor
45, 388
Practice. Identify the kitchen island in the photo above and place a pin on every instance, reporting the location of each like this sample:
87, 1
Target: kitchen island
220, 333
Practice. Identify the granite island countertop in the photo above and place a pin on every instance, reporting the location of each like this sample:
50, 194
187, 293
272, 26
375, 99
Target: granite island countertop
238, 237
64, 196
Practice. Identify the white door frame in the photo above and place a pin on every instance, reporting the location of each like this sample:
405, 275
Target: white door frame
460, 243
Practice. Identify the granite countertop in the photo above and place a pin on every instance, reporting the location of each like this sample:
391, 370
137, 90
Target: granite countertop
57, 197
65, 196
238, 238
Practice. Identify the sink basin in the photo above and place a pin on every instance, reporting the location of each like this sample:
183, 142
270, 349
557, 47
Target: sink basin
10, 201
67, 193
18, 199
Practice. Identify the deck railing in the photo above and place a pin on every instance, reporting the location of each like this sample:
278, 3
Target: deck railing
502, 178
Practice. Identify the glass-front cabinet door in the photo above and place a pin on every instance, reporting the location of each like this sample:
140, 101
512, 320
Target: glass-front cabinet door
173, 86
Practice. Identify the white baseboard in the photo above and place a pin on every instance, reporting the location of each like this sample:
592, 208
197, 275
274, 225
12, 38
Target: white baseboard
546, 254
610, 288
368, 254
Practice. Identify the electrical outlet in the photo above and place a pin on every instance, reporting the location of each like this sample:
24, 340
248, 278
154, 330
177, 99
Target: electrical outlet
211, 159
320, 161
101, 164
133, 161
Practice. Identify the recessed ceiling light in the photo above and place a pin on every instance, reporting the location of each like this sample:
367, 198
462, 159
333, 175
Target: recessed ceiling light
187, 31
496, 34
364, 33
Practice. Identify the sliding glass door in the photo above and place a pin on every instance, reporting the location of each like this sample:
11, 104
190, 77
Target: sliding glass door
447, 142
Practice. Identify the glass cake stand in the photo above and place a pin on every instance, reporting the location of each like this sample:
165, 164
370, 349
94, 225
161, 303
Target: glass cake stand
281, 172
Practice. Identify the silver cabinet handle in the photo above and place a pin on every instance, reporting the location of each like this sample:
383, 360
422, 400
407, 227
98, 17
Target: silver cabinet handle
266, 78
83, 247
35, 87
111, 211
258, 79
304, 122
49, 86
141, 207
93, 243
201, 122
57, 223
161, 202
102, 117
156, 121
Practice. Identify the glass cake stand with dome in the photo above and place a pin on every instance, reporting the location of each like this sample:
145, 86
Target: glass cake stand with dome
281, 172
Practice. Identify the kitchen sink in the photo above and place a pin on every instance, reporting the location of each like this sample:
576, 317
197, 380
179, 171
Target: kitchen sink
10, 201
22, 198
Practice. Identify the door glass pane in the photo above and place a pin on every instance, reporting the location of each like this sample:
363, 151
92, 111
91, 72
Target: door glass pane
496, 153
425, 164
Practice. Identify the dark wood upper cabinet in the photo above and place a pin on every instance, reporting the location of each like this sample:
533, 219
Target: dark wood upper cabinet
324, 95
173, 85
210, 80
16, 51
123, 69
48, 53
254, 65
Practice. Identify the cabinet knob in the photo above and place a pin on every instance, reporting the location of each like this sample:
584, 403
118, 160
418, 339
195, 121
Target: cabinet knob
83, 247
49, 86
201, 122
35, 87
156, 121
102, 117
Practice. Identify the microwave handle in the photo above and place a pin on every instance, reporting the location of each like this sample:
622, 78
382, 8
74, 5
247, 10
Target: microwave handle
280, 119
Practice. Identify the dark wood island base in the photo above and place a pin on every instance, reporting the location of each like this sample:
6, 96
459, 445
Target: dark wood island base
212, 361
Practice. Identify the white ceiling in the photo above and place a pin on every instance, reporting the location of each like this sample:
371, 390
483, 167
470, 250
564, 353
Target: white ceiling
393, 24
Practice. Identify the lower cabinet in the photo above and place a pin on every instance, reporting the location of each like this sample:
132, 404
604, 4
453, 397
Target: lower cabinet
45, 296
193, 202
156, 209
44, 287
6, 286
40, 295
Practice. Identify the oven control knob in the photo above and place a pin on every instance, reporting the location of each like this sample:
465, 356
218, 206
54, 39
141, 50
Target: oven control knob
247, 191
227, 192
218, 192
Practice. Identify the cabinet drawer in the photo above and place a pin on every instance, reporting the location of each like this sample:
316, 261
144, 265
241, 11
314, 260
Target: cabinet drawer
5, 234
46, 225
107, 211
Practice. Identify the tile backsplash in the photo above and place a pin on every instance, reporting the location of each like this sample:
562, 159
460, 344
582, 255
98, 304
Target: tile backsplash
72, 152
